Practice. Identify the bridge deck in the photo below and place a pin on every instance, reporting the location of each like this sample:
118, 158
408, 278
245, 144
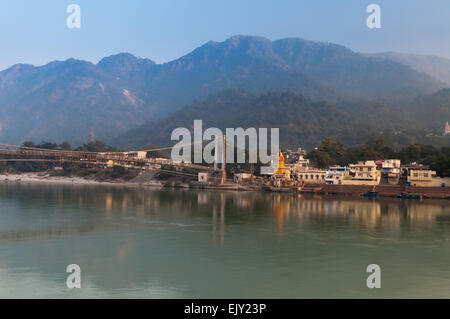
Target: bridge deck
91, 157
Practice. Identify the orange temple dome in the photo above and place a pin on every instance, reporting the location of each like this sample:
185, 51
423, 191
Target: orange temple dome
281, 168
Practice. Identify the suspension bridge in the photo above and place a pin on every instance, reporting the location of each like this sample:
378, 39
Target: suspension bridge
15, 153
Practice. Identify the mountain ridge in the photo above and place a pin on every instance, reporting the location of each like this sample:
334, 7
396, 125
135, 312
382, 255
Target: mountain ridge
64, 99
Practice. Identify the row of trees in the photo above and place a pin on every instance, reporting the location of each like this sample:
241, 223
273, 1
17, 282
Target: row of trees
48, 145
331, 152
97, 146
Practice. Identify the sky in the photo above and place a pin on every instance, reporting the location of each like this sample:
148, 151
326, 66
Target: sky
35, 31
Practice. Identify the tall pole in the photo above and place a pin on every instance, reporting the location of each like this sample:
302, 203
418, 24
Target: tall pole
224, 169
216, 154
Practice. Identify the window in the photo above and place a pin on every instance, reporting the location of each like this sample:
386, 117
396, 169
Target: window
425, 175
416, 175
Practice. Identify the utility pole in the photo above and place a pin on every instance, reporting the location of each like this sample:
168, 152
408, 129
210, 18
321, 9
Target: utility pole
224, 168
91, 138
216, 154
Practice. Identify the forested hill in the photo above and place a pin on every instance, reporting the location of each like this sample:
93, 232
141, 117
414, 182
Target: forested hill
304, 122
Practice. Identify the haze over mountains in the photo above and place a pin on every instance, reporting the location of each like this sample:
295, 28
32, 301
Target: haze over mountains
434, 66
62, 100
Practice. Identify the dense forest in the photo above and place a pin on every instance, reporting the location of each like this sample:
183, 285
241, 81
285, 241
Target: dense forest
304, 122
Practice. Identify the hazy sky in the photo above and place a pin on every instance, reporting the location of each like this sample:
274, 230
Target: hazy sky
35, 31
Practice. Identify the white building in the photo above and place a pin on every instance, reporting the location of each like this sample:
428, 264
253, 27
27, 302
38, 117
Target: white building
312, 176
240, 177
336, 175
301, 165
136, 154
391, 166
204, 177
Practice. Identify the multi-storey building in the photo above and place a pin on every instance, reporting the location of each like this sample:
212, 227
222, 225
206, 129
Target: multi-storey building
336, 174
312, 176
363, 173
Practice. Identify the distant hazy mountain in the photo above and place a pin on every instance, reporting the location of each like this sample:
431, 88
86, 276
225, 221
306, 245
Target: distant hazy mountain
354, 73
431, 65
62, 100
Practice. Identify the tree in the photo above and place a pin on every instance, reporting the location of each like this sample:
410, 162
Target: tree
442, 167
65, 146
29, 144
376, 144
336, 150
48, 145
320, 159
97, 146
412, 153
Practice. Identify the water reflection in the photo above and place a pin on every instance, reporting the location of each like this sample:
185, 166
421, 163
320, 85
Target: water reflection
182, 243
90, 208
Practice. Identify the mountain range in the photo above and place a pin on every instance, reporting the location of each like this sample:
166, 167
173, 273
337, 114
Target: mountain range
62, 100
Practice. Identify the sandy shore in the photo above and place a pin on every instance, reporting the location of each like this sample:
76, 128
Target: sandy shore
46, 178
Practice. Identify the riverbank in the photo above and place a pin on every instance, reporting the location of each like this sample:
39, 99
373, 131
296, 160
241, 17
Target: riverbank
381, 190
73, 180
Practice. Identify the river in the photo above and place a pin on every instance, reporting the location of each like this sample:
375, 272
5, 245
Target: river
152, 243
